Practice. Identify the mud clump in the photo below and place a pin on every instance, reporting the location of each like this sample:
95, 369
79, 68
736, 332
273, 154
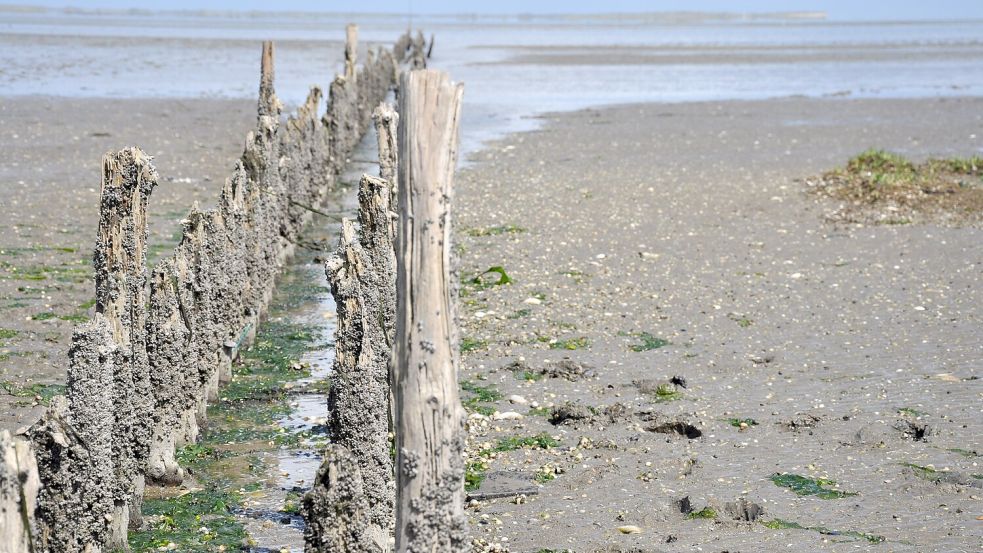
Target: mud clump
618, 412
802, 422
661, 424
568, 369
743, 510
570, 413
915, 431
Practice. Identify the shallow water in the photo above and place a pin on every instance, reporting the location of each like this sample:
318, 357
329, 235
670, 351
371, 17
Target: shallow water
289, 472
556, 63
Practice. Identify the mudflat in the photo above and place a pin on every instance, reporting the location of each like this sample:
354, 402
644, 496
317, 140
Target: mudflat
689, 356
51, 175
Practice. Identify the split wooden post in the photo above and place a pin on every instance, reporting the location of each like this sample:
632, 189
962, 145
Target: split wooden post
429, 417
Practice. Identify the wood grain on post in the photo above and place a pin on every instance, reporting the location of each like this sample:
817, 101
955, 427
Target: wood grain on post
351, 50
428, 412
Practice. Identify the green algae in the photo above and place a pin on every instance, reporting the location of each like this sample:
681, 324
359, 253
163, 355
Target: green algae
804, 486
779, 524
706, 513
648, 342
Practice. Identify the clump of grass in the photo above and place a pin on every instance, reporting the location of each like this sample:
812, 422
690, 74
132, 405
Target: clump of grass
648, 342
882, 165
706, 513
539, 412
494, 231
779, 524
469, 344
803, 486
736, 423
911, 412
44, 316
571, 343
877, 178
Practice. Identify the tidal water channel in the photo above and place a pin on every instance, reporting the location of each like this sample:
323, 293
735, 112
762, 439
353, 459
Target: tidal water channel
261, 447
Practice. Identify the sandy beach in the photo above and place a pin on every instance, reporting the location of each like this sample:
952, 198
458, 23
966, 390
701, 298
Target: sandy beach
690, 223
51, 176
665, 336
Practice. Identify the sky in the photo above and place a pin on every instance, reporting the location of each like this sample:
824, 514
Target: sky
836, 9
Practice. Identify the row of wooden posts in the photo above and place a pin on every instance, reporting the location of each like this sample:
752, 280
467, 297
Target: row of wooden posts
396, 352
160, 344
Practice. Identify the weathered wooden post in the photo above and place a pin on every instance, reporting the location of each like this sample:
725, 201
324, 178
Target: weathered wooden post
120, 260
351, 50
429, 417
19, 485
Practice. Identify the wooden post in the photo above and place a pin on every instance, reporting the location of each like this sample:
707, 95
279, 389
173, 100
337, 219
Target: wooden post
19, 485
386, 122
267, 97
351, 50
429, 417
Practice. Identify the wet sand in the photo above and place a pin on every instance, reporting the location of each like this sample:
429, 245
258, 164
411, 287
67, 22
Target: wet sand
50, 197
684, 221
855, 349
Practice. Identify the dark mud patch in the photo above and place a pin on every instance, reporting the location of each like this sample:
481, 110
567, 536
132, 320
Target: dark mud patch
570, 413
661, 425
914, 430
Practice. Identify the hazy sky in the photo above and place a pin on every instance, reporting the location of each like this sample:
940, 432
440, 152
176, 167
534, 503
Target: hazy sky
837, 9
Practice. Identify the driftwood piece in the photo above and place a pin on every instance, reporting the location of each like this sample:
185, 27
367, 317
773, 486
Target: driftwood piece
429, 416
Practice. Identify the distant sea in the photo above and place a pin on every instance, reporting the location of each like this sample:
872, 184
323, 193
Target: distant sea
513, 67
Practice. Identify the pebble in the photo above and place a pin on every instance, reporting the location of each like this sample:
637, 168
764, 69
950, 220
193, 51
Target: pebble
517, 399
506, 416
629, 529
532, 301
